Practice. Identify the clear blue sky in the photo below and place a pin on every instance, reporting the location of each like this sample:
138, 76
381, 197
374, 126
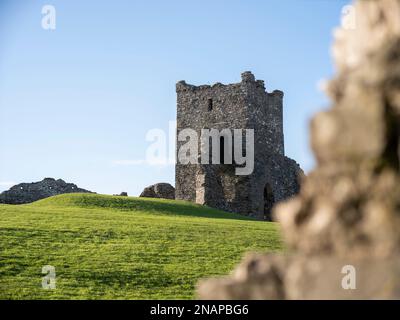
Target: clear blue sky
75, 100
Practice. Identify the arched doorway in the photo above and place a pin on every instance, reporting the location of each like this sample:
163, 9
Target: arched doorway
268, 202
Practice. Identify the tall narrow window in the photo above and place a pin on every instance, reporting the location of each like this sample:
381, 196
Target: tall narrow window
269, 201
210, 104
222, 150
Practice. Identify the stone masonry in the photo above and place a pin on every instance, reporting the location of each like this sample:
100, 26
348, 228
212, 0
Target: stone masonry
244, 105
30, 192
159, 190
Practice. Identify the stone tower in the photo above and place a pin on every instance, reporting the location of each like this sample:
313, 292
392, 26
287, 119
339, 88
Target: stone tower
244, 105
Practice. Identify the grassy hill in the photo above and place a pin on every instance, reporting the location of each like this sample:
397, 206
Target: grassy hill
106, 247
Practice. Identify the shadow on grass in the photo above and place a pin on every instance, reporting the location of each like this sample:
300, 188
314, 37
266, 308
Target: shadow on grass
150, 205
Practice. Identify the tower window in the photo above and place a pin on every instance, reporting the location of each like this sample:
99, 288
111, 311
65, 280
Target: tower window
210, 104
269, 201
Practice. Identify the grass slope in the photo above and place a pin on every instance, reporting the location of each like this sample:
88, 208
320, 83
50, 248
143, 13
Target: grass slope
106, 247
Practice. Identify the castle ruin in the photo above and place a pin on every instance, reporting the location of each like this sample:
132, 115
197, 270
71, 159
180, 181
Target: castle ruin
244, 105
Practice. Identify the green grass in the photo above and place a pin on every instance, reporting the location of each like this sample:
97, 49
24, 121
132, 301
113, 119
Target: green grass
106, 247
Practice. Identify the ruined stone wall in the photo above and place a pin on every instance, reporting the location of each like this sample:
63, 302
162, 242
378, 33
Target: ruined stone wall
266, 118
30, 192
193, 112
244, 105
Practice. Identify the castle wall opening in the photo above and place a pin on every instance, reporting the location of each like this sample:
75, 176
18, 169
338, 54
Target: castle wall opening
269, 200
210, 104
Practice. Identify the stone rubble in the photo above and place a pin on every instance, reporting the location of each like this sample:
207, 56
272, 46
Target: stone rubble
30, 192
159, 190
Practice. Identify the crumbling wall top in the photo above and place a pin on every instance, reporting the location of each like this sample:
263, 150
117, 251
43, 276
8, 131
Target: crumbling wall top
247, 79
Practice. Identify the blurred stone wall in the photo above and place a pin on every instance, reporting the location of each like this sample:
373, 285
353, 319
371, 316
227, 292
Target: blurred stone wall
346, 220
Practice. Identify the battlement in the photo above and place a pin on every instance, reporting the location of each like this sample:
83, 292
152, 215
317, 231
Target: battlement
248, 79
277, 93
